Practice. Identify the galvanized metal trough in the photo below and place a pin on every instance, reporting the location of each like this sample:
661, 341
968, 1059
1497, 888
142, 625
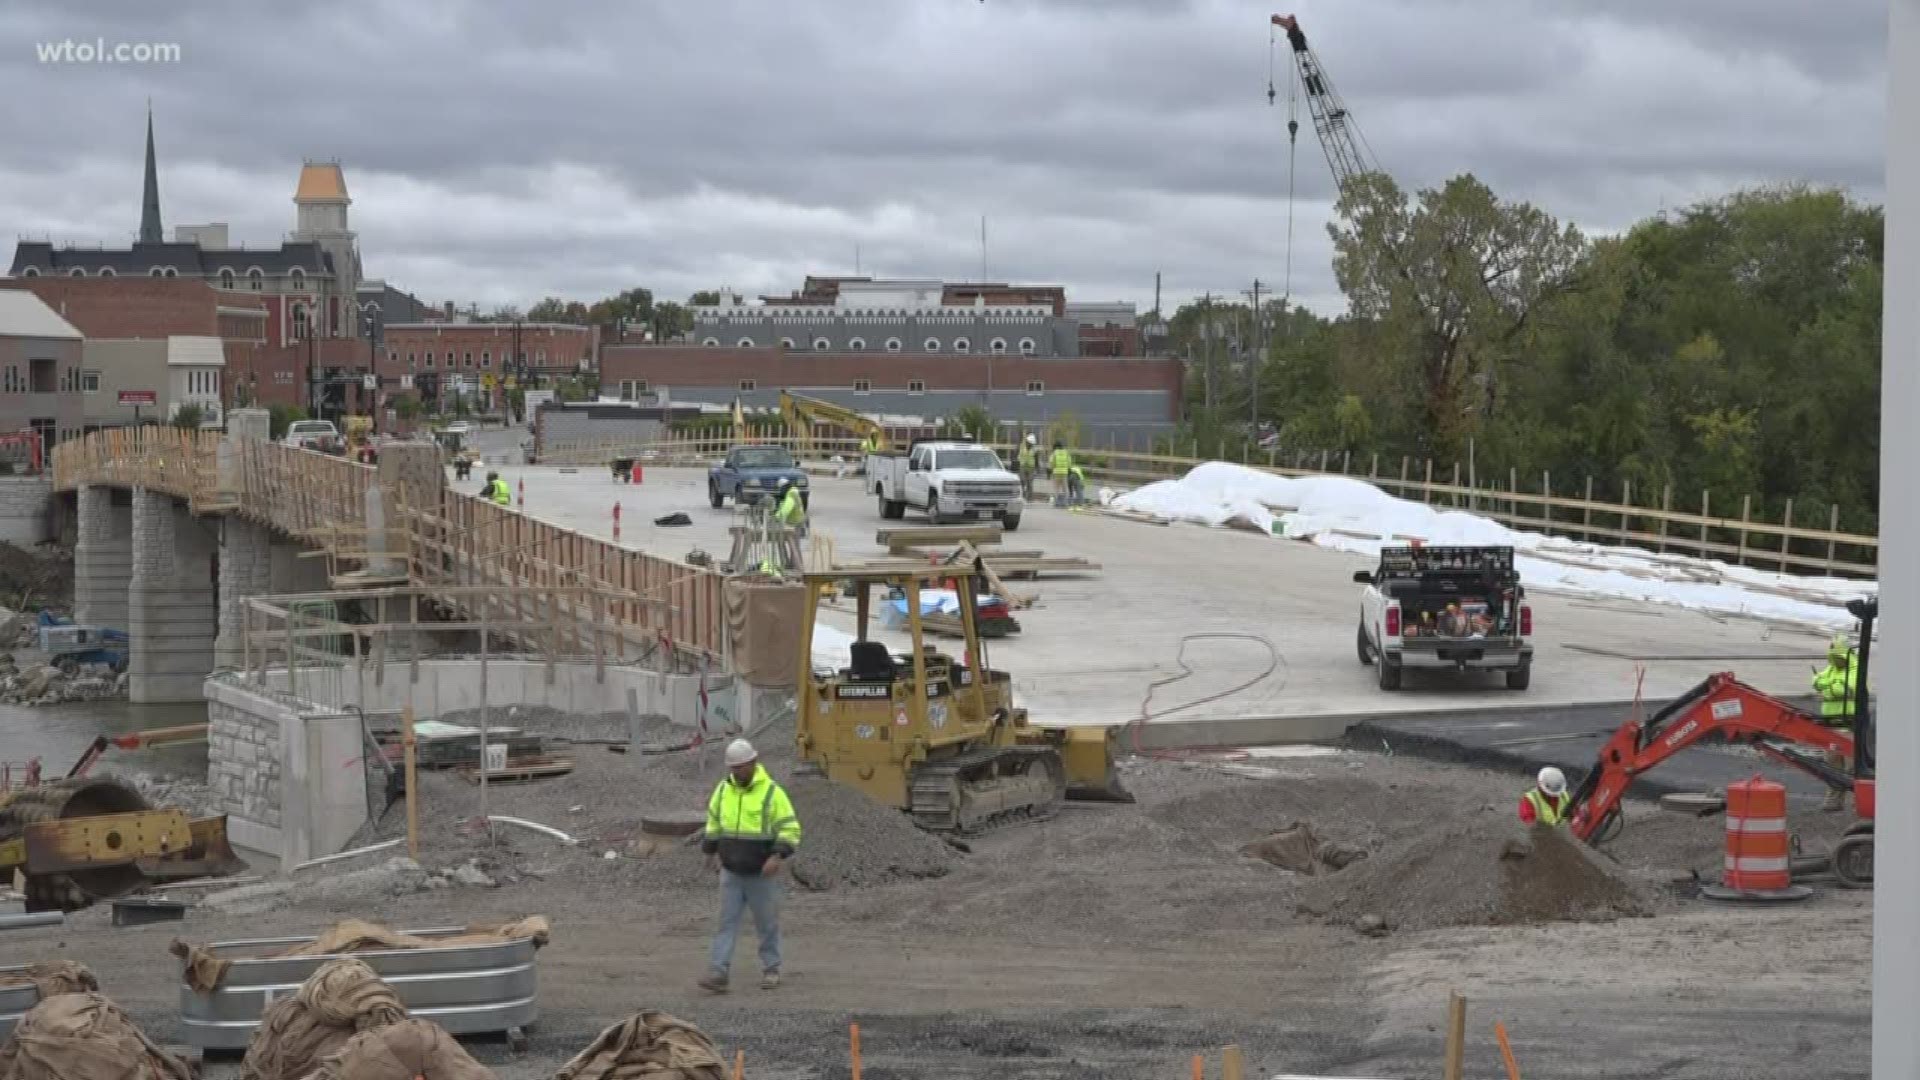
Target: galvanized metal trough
15, 1000
466, 989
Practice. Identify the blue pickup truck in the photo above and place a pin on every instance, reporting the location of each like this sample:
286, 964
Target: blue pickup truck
751, 473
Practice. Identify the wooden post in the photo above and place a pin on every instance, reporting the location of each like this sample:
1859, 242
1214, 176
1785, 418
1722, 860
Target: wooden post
1199, 1067
1271, 451
739, 1065
1706, 509
1373, 470
1546, 500
1323, 461
1833, 526
1666, 507
1786, 536
1427, 490
853, 1039
1456, 1037
1232, 1065
1513, 489
1626, 521
409, 750
1746, 508
1455, 498
1346, 463
1586, 512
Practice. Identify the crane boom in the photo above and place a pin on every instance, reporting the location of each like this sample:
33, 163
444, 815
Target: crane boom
1346, 150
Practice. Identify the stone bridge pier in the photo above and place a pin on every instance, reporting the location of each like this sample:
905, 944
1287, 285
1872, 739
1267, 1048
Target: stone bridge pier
103, 557
171, 619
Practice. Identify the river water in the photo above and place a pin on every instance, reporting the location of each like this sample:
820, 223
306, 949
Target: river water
59, 734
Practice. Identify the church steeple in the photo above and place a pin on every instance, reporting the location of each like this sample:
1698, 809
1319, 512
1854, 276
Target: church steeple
150, 197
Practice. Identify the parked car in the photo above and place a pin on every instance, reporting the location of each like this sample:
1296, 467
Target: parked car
752, 473
949, 481
318, 435
1457, 608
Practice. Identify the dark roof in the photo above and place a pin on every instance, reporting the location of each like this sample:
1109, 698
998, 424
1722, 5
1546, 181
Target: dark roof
187, 258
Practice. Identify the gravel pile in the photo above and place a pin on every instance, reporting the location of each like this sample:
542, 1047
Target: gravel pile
1487, 871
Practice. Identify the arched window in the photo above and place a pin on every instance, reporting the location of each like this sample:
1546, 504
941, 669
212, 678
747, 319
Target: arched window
78, 271
962, 345
1028, 346
744, 343
893, 344
932, 344
998, 346
712, 343
821, 344
254, 276
31, 271
106, 271
226, 277
170, 272
857, 344
153, 271
786, 343
297, 278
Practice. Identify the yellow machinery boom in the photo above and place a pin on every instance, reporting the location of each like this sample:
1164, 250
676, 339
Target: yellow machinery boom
938, 738
80, 840
802, 413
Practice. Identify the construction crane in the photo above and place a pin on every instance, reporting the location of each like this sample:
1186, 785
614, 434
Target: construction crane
802, 413
1348, 154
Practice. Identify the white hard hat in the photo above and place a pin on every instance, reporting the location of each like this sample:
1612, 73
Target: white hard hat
1552, 780
740, 752
1029, 436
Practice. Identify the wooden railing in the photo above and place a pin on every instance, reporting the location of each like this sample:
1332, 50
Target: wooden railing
169, 459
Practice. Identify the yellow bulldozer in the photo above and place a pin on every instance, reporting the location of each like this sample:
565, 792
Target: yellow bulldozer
937, 737
79, 840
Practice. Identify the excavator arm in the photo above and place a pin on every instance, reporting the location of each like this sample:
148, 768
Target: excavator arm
1721, 706
802, 413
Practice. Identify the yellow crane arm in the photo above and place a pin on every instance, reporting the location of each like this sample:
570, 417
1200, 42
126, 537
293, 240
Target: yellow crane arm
801, 413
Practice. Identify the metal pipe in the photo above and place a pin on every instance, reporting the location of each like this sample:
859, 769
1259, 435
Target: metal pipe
337, 857
535, 826
31, 919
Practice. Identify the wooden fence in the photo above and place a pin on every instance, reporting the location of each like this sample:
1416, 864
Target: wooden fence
1568, 507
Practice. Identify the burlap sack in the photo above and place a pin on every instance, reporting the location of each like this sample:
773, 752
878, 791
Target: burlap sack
54, 977
764, 628
409, 1050
341, 999
649, 1044
83, 1036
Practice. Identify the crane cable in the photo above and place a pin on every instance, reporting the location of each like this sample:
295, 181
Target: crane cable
1293, 145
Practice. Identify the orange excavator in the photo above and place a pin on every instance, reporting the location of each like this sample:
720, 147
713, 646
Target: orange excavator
1726, 708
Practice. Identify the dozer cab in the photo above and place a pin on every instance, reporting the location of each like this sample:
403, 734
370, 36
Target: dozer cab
935, 736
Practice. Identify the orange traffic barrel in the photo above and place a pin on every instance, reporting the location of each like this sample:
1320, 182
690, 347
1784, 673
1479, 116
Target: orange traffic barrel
1758, 860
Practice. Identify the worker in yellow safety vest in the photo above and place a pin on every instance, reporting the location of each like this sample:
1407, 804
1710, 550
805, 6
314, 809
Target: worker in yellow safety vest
496, 490
1547, 801
1838, 685
1060, 464
791, 512
1027, 462
751, 832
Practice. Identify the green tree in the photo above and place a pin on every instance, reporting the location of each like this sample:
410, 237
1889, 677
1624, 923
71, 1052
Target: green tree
279, 416
704, 298
188, 417
634, 305
972, 420
671, 320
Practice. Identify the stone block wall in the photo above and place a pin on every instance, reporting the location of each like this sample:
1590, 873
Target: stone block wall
288, 773
26, 509
244, 754
171, 622
102, 559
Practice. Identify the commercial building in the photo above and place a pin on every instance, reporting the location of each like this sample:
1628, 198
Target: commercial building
1129, 399
156, 344
432, 359
39, 370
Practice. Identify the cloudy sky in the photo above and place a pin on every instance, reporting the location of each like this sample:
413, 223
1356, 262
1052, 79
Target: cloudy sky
502, 151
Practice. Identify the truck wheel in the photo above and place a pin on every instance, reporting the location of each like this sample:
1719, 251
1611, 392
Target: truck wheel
1010, 523
714, 497
1364, 647
1521, 677
1389, 674
890, 509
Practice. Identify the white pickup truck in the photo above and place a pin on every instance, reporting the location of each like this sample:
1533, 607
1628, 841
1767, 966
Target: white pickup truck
1459, 608
949, 481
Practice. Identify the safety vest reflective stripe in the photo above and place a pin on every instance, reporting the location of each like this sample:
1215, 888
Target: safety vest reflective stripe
770, 827
1549, 813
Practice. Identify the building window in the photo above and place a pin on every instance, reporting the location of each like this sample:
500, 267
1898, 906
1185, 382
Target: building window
409, 357
297, 278
748, 384
998, 346
486, 358
916, 386
932, 344
31, 271
1028, 346
254, 278
712, 343
893, 344
78, 271
106, 271
786, 343
962, 345
821, 344
861, 386
90, 382
226, 277
540, 358
393, 356
467, 360
169, 272
744, 343
857, 344
429, 359
1036, 387
153, 272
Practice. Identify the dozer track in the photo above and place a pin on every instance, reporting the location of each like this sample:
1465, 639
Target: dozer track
982, 790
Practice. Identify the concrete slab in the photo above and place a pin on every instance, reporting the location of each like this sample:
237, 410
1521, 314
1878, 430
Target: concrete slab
1092, 648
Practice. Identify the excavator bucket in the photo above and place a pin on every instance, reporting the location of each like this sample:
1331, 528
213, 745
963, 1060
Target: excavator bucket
1089, 756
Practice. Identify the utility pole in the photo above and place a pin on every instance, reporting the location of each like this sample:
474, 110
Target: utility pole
1206, 352
1258, 359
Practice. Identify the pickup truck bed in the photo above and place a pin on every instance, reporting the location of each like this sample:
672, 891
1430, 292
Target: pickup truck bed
1460, 609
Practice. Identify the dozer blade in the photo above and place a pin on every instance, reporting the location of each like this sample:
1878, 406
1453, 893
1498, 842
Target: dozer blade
1092, 776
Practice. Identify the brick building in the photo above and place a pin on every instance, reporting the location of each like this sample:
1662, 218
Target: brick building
427, 356
140, 333
1122, 397
39, 370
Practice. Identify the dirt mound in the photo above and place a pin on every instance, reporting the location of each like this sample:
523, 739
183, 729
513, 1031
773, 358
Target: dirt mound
1486, 872
850, 841
30, 580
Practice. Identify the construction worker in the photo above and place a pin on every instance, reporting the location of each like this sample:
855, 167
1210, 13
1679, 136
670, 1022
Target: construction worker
1547, 801
791, 512
1838, 685
1076, 485
1060, 465
751, 833
496, 490
1027, 461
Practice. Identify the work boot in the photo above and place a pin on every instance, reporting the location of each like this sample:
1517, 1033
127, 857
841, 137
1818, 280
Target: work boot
714, 984
1836, 801
770, 981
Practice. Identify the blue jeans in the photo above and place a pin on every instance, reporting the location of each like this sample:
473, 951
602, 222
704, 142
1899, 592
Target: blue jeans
762, 894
